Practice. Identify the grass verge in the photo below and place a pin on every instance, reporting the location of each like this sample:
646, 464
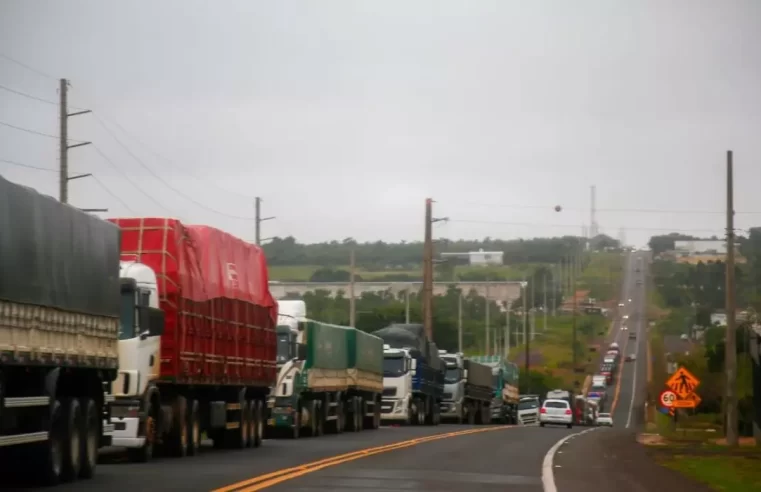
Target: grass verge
727, 473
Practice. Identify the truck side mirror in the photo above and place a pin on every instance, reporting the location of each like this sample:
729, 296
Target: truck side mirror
465, 374
301, 351
413, 364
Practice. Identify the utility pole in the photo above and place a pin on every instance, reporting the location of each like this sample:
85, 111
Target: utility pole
544, 290
525, 312
573, 325
63, 156
459, 321
487, 321
554, 290
506, 341
527, 344
428, 269
730, 356
407, 306
532, 307
259, 219
352, 301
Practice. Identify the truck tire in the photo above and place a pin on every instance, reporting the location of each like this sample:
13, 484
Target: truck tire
319, 426
145, 453
258, 422
244, 427
296, 431
360, 414
194, 428
72, 442
377, 413
51, 452
314, 416
90, 437
471, 413
248, 419
178, 437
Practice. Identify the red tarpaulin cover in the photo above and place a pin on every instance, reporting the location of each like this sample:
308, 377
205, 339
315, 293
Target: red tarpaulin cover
214, 291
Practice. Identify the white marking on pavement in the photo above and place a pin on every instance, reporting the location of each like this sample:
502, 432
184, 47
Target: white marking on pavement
548, 476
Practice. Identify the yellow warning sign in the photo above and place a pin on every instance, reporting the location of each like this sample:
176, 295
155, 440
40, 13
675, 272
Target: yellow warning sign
682, 382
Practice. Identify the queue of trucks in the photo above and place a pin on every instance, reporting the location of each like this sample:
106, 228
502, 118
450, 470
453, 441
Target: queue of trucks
149, 334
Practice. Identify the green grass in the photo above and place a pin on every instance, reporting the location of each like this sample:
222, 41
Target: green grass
724, 473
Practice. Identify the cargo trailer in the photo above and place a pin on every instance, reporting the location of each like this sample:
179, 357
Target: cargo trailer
205, 360
59, 329
504, 406
467, 390
332, 385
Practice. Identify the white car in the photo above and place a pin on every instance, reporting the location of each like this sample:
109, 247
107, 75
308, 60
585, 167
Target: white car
556, 412
624, 327
620, 304
604, 419
626, 316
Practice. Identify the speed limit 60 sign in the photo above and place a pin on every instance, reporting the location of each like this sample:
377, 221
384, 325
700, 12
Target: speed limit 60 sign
667, 398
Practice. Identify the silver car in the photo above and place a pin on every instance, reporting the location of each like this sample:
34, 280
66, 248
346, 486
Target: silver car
556, 412
604, 420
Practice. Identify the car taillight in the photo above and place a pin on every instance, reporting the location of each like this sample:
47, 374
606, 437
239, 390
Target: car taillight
568, 412
543, 410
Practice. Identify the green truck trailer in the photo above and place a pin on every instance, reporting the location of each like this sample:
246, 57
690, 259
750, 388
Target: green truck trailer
334, 384
504, 407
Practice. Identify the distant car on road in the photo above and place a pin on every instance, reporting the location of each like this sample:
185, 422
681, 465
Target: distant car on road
633, 334
625, 316
631, 357
556, 412
604, 420
620, 304
684, 337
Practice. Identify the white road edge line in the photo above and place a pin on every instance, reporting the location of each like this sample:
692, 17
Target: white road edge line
548, 475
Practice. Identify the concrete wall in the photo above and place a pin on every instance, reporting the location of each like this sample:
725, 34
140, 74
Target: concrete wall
496, 291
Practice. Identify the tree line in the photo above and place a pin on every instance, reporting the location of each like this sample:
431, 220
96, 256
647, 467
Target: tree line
379, 255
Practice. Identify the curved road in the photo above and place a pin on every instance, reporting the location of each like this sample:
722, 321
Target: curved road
443, 458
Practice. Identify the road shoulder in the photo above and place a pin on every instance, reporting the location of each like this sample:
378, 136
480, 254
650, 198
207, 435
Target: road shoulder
611, 459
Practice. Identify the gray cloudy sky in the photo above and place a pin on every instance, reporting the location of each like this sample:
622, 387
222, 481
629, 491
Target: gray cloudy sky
344, 115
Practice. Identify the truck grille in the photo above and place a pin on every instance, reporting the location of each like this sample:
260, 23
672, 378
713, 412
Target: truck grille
447, 396
389, 392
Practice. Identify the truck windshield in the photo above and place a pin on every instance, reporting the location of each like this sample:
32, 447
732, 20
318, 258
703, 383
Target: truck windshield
528, 405
393, 366
127, 317
452, 375
283, 348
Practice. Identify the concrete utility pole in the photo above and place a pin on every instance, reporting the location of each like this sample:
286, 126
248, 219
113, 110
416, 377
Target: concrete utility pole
573, 328
459, 321
428, 269
259, 219
730, 356
487, 321
527, 344
525, 312
63, 151
352, 301
407, 306
506, 341
544, 307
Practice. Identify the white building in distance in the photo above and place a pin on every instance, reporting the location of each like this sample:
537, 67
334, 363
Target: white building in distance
479, 258
696, 247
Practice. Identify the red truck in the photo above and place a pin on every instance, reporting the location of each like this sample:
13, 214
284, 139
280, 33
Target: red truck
197, 344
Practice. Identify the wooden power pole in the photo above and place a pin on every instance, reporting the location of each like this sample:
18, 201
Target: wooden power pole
730, 357
352, 301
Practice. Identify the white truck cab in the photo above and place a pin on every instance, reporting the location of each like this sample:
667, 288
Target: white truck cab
454, 385
398, 369
141, 326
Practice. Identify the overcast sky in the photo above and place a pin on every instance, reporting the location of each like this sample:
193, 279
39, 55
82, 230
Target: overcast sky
345, 115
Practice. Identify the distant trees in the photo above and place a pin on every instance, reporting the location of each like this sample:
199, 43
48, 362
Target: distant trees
404, 256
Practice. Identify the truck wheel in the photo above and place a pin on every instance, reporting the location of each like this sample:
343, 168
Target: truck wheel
258, 423
179, 435
376, 414
51, 452
194, 428
296, 431
471, 414
314, 416
145, 453
319, 421
72, 448
244, 426
90, 437
360, 414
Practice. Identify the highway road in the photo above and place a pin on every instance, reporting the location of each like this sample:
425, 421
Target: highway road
443, 458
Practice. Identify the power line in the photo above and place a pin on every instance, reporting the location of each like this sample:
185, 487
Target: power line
169, 161
29, 96
31, 69
35, 132
162, 180
576, 226
608, 210
113, 195
127, 177
28, 166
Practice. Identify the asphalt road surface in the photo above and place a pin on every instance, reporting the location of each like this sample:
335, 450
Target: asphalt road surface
443, 458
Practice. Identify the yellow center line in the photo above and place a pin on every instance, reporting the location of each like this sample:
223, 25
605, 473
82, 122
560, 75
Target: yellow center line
269, 479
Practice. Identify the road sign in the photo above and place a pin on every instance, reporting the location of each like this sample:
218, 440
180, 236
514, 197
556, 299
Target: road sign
682, 382
667, 398
692, 401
